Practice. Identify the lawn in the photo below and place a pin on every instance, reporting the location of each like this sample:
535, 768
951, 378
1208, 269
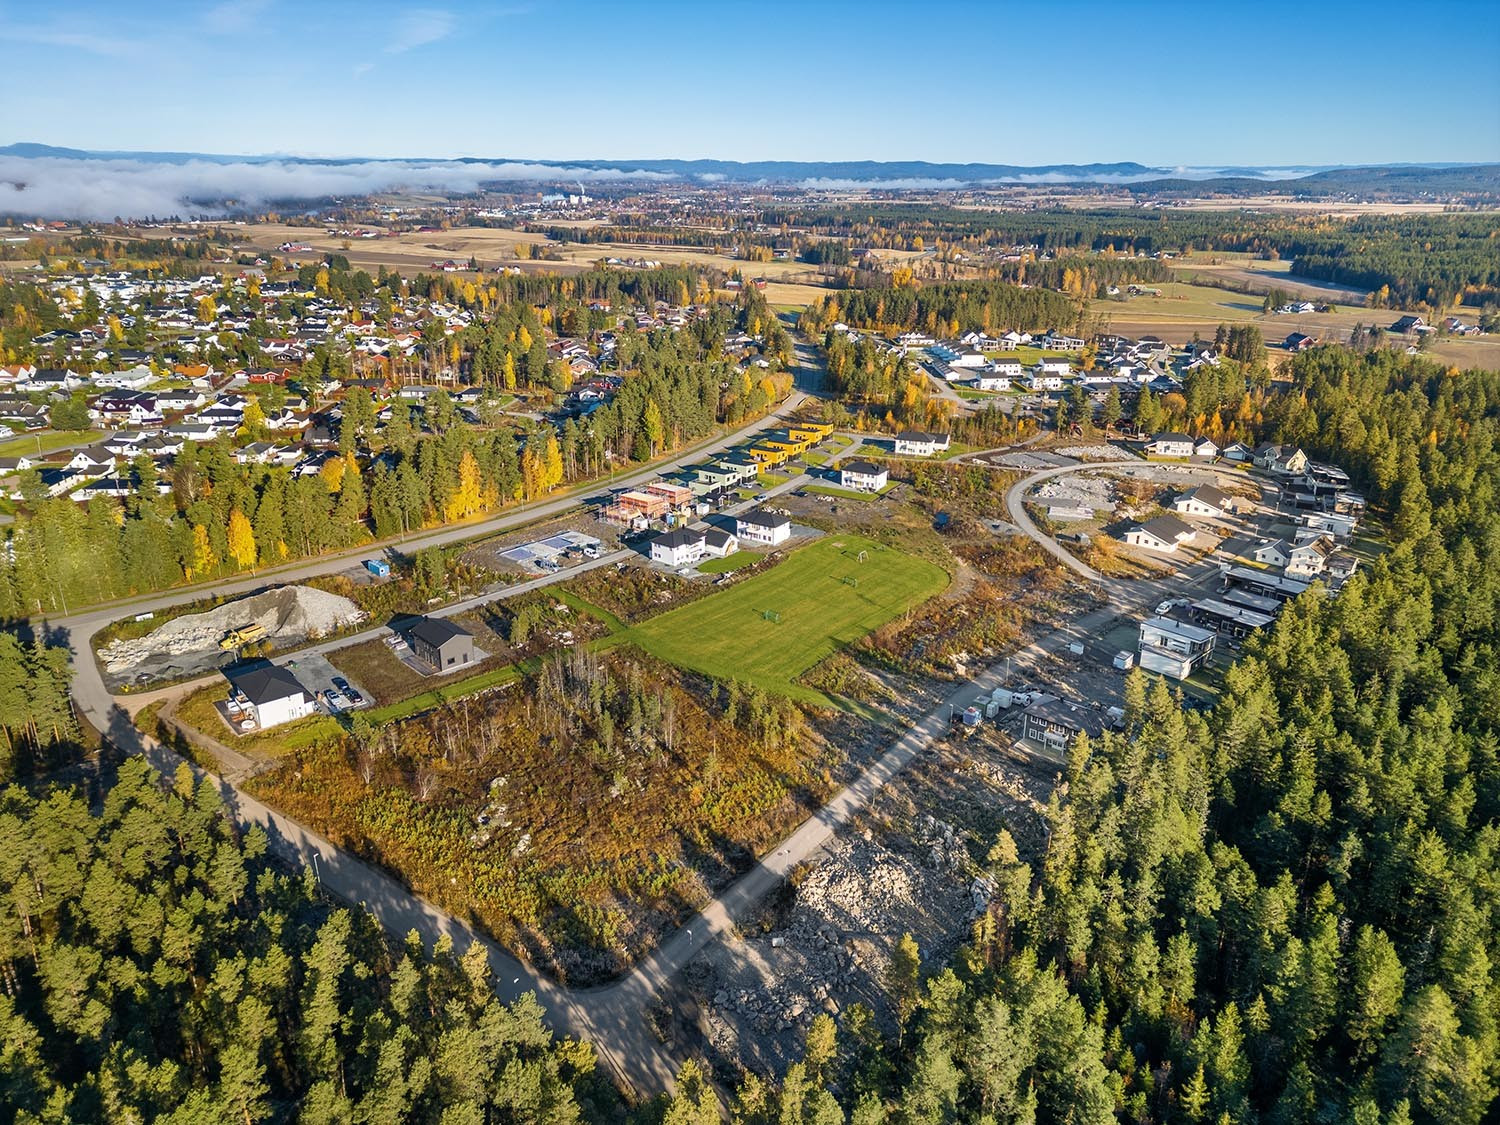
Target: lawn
47, 441
848, 493
729, 562
825, 598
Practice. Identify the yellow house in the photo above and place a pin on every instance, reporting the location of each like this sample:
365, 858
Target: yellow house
811, 432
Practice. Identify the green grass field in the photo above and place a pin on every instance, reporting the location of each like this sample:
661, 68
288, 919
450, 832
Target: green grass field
729, 636
47, 441
729, 562
847, 493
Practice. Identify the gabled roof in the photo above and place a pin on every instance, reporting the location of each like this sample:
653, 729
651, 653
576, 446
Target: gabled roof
864, 468
718, 538
267, 684
763, 518
680, 537
437, 631
1169, 529
1208, 494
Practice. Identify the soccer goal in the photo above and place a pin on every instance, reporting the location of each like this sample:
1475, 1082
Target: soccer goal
863, 555
850, 580
772, 616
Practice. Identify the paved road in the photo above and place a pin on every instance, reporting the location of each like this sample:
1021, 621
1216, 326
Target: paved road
611, 1016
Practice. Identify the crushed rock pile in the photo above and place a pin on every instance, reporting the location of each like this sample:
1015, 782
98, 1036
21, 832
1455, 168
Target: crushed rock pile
833, 947
287, 613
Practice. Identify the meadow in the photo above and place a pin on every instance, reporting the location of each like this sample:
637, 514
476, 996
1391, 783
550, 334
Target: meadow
769, 630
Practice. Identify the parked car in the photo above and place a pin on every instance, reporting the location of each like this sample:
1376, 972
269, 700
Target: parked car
342, 684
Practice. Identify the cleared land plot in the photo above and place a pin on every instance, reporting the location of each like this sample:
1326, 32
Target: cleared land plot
775, 626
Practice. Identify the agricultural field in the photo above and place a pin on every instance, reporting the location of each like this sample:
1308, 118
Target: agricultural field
770, 629
789, 284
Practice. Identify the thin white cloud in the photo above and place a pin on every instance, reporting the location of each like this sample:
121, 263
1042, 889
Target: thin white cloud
420, 27
234, 16
68, 188
110, 46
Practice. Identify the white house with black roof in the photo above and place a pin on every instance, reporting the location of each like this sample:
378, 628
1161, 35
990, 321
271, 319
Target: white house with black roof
863, 476
918, 443
273, 695
763, 528
678, 547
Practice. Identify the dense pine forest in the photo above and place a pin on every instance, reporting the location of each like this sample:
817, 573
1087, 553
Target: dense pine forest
1283, 911
155, 965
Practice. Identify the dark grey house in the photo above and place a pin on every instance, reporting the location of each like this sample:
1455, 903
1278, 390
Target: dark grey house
441, 643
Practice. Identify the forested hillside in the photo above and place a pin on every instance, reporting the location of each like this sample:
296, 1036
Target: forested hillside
1287, 910
156, 966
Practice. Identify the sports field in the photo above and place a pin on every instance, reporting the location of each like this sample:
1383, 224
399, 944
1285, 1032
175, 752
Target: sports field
775, 626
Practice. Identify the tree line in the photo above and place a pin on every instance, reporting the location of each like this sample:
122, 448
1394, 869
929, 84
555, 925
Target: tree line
1280, 911
156, 965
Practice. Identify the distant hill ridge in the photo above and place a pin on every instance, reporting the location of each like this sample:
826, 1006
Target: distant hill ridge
1140, 179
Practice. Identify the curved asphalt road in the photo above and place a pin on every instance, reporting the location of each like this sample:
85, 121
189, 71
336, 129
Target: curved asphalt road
612, 1016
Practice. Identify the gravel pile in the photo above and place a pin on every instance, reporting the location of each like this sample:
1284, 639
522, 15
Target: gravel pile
1091, 453
1077, 492
832, 947
288, 613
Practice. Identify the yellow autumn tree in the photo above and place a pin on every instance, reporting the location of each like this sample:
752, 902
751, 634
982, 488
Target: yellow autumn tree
204, 559
254, 418
332, 473
208, 310
241, 539
468, 497
508, 372
533, 472
552, 463
320, 281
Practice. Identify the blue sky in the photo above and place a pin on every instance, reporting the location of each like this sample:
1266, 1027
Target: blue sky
1183, 82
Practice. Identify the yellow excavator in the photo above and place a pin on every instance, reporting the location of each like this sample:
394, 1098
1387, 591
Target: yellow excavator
244, 635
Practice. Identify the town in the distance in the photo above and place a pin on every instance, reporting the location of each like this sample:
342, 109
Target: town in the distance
666, 641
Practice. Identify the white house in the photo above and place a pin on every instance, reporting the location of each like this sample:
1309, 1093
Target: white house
863, 476
967, 358
1163, 534
1336, 524
274, 696
1174, 648
1205, 447
916, 443
1037, 380
1170, 445
137, 378
1013, 339
1237, 451
764, 528
1010, 368
717, 543
680, 547
1205, 500
1310, 558
989, 381
1273, 552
